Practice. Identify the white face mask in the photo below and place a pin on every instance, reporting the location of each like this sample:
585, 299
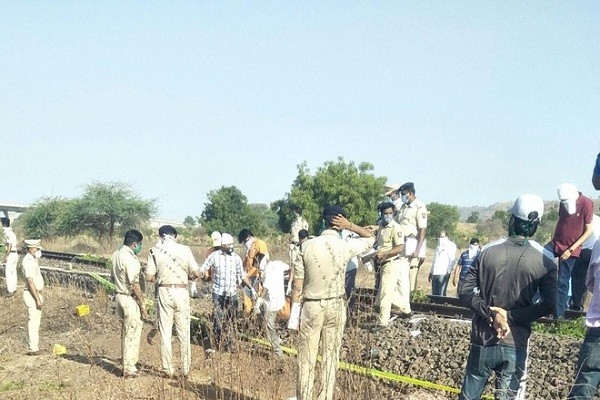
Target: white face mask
404, 198
473, 247
386, 219
443, 240
38, 254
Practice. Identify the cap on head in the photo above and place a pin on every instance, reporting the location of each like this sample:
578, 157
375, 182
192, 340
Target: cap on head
226, 238
34, 243
474, 241
391, 188
567, 191
302, 234
528, 207
408, 186
332, 211
215, 237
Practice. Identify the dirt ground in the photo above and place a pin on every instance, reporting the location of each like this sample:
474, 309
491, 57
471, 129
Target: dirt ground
91, 369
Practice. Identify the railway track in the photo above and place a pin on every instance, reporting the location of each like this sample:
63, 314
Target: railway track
450, 307
74, 258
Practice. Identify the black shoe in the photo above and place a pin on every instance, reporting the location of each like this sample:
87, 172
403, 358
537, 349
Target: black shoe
379, 328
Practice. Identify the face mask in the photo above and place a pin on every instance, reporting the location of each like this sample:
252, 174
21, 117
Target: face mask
38, 254
386, 219
137, 249
229, 250
473, 247
404, 198
443, 240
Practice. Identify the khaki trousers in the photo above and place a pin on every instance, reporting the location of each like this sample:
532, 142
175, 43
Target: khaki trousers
35, 318
403, 286
11, 272
131, 331
320, 320
174, 307
391, 274
414, 273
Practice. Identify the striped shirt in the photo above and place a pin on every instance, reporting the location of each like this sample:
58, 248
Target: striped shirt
227, 272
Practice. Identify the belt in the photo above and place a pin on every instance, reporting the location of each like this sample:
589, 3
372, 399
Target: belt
13, 251
328, 298
174, 285
414, 267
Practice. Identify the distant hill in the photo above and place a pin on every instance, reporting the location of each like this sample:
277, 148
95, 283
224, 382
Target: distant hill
486, 212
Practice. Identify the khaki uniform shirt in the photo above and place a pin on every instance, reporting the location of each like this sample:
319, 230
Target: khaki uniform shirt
389, 236
298, 224
322, 263
412, 217
171, 262
125, 270
31, 269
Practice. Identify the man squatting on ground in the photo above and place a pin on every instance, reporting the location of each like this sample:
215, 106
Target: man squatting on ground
319, 274
131, 306
500, 289
32, 295
172, 264
11, 258
224, 267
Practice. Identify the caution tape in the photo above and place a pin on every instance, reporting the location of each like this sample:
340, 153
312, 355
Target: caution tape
358, 369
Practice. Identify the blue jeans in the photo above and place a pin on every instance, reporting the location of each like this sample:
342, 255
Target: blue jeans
587, 376
224, 314
508, 363
565, 269
439, 284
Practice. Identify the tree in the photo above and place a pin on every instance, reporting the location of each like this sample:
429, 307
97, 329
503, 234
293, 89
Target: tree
189, 222
354, 187
227, 210
473, 218
103, 208
442, 217
42, 219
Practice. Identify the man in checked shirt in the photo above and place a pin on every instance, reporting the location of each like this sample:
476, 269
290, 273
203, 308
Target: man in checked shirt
226, 269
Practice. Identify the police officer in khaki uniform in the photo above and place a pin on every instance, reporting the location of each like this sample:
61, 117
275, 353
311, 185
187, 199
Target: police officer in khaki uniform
32, 296
171, 264
389, 244
412, 218
319, 277
131, 306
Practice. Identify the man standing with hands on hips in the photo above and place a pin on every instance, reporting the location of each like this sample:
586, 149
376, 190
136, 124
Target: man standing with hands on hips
319, 277
131, 306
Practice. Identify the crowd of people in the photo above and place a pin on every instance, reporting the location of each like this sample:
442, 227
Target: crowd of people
508, 283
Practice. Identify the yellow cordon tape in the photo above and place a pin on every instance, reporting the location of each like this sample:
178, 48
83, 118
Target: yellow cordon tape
372, 372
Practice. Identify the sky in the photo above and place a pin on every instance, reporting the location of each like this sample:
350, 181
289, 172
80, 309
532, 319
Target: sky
474, 102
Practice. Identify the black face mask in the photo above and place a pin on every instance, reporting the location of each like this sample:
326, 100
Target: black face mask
229, 250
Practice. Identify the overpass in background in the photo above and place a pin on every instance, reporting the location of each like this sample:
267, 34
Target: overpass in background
5, 208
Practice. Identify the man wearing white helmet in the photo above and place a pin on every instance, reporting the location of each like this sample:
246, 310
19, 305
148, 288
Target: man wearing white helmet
500, 288
574, 226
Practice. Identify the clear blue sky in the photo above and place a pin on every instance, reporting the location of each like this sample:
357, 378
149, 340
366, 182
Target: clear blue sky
475, 102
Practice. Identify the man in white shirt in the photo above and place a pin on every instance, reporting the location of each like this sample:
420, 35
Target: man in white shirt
443, 263
274, 300
11, 258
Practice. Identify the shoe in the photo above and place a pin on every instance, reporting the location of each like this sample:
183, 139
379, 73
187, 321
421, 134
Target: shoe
405, 315
151, 335
378, 328
35, 353
131, 375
